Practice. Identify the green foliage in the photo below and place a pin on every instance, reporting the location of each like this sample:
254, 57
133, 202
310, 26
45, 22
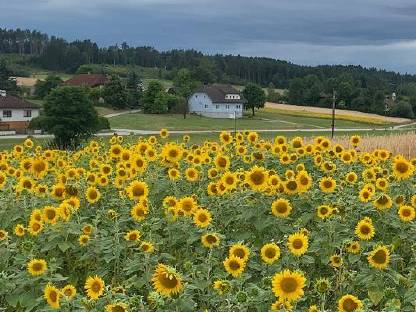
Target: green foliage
115, 94
403, 109
184, 83
6, 83
69, 115
255, 97
44, 87
154, 101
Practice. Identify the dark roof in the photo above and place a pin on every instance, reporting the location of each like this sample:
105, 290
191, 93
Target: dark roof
217, 93
14, 102
87, 80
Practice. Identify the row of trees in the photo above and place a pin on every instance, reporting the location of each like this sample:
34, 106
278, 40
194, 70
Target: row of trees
57, 54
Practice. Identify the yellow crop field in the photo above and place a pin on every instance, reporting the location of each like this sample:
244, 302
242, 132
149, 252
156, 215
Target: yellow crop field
239, 223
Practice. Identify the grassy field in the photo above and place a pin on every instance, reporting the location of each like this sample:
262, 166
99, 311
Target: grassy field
263, 120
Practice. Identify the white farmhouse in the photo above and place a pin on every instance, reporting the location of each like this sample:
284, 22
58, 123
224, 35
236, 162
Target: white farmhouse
16, 113
217, 101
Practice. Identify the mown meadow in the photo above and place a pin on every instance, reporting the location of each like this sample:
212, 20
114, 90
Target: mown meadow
237, 223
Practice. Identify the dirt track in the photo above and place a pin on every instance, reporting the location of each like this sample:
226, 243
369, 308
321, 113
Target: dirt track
321, 110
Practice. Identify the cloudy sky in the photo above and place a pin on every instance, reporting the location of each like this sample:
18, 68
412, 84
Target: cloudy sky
379, 33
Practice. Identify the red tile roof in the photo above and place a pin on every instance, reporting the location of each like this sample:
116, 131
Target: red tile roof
14, 102
87, 80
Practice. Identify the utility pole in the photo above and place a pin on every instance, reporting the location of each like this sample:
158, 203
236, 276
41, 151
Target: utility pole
333, 114
235, 122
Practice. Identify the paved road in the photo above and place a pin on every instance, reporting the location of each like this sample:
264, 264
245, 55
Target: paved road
131, 111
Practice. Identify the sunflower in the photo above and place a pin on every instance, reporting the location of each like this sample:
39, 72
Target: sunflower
382, 184
281, 305
147, 247
257, 178
188, 205
304, 181
174, 174
313, 308
166, 280
94, 285
327, 184
365, 195
406, 213
52, 296
132, 236
83, 239
139, 211
351, 177
379, 258
226, 137
365, 229
298, 243
116, 307
270, 253
336, 261
234, 265
202, 218
383, 202
210, 240
353, 247
69, 291
3, 235
402, 169
172, 152
349, 303
3, 179
222, 162
92, 195
164, 133
288, 285
291, 186
39, 168
229, 179
137, 190
37, 267
35, 227
281, 208
222, 286
19, 230
192, 174
413, 200
324, 211
239, 250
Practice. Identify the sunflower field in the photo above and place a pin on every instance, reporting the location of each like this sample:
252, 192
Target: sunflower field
237, 224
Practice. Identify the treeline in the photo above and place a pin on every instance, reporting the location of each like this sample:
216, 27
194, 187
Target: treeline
55, 53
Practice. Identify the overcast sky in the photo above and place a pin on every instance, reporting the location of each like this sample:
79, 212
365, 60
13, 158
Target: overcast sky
379, 33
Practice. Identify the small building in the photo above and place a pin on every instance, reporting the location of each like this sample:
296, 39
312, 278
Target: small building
16, 113
87, 80
217, 101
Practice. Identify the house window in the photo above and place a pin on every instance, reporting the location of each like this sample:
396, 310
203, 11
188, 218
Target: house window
227, 106
7, 113
217, 106
196, 95
206, 105
238, 106
27, 113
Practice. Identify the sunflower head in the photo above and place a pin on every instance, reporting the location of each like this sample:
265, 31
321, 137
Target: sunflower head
166, 280
288, 285
94, 285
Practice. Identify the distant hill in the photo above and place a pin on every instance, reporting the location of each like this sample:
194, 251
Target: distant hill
358, 88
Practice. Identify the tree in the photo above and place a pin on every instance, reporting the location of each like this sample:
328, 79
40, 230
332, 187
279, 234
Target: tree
205, 71
114, 93
134, 89
255, 97
42, 88
184, 83
6, 83
153, 91
69, 115
403, 109
296, 91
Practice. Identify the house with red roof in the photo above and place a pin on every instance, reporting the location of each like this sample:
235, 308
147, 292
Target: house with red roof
87, 80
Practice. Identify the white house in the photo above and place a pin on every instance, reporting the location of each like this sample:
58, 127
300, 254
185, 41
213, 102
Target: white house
217, 101
16, 113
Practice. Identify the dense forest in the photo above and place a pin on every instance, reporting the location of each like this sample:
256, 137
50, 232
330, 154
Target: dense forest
357, 87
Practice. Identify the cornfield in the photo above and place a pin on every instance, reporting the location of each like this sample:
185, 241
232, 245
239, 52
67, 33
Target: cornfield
235, 224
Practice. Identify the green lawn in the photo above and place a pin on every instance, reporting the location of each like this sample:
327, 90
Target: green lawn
262, 120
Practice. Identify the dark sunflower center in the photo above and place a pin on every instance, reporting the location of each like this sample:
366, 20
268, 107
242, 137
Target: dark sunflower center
211, 239
349, 305
239, 252
270, 253
53, 296
365, 229
37, 267
402, 167
234, 265
297, 243
168, 281
289, 284
95, 287
257, 177
380, 257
